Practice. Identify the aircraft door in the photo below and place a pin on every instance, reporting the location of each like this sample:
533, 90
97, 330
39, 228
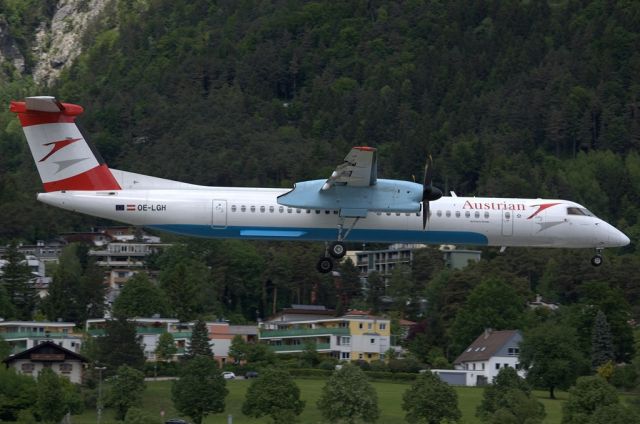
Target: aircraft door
507, 223
219, 216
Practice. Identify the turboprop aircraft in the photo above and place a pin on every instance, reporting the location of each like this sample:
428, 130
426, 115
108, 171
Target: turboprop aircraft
353, 204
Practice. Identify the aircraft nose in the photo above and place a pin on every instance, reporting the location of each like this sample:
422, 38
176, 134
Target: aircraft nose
619, 238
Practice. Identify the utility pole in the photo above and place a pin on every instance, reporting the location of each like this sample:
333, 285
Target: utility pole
99, 403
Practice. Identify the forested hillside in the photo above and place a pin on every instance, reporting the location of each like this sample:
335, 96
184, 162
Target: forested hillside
531, 98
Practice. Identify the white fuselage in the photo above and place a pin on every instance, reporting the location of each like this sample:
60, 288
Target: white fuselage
254, 213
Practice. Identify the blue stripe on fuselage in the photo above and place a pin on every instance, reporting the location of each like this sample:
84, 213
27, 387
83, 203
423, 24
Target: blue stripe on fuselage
323, 234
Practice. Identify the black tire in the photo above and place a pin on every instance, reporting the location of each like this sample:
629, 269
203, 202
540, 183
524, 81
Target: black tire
597, 260
324, 266
337, 250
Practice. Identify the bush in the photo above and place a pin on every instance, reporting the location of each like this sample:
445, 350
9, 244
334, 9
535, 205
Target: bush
405, 365
625, 377
378, 365
328, 364
310, 373
364, 365
161, 369
391, 376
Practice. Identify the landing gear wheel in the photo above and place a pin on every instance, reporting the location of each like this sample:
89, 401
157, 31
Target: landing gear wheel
325, 265
597, 260
337, 250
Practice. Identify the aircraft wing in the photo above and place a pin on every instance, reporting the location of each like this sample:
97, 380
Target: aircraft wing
359, 169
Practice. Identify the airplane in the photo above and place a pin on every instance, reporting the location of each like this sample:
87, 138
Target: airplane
352, 205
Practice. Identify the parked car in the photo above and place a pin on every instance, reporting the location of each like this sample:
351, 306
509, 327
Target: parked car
228, 375
251, 374
175, 421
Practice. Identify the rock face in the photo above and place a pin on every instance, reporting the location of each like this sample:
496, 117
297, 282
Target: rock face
58, 43
9, 51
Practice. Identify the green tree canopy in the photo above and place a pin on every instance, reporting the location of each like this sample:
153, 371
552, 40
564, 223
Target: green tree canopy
200, 390
430, 401
166, 347
274, 394
601, 342
586, 397
119, 346
50, 403
140, 297
16, 279
550, 354
199, 344
17, 393
125, 391
491, 304
348, 397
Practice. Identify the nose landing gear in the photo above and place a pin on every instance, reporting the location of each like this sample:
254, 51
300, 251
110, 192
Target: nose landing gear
597, 259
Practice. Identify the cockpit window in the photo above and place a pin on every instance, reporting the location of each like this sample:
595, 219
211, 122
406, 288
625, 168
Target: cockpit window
578, 211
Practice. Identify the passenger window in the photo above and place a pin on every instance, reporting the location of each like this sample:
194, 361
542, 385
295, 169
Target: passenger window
388, 213
378, 213
271, 209
262, 209
486, 215
477, 214
467, 214
335, 212
253, 208
233, 208
308, 210
281, 209
439, 213
327, 212
297, 210
317, 211
457, 214
243, 208
397, 213
448, 214
507, 215
289, 210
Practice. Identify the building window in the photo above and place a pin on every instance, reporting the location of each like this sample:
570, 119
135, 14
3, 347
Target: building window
27, 368
373, 340
513, 351
369, 326
483, 366
360, 356
360, 325
344, 341
474, 366
66, 368
383, 326
345, 355
497, 366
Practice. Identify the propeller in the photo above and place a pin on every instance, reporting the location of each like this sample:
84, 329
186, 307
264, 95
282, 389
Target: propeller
429, 192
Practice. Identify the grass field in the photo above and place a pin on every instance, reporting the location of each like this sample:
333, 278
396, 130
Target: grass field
157, 397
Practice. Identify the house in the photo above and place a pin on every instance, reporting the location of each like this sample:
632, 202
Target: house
481, 362
353, 336
48, 355
23, 335
221, 335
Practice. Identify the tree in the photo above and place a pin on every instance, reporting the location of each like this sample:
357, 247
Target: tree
17, 393
601, 342
199, 344
509, 399
200, 390
491, 304
166, 347
551, 356
140, 297
238, 349
586, 397
126, 390
431, 401
348, 397
401, 288
120, 345
16, 278
274, 394
50, 403
375, 290
310, 356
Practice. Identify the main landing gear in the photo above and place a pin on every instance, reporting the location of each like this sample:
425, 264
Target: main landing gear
597, 258
335, 249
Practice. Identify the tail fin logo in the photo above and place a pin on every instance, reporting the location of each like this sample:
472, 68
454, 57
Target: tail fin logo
58, 145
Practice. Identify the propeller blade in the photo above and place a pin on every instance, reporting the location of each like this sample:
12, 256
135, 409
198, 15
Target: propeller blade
425, 214
429, 192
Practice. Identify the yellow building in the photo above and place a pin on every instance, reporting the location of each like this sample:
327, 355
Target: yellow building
351, 337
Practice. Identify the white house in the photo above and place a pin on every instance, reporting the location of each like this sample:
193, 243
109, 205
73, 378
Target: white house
49, 355
481, 362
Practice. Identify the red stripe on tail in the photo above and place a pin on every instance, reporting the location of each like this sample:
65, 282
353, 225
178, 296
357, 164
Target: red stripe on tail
98, 178
36, 117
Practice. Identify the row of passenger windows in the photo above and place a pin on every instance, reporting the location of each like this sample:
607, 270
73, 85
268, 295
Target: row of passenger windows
281, 209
